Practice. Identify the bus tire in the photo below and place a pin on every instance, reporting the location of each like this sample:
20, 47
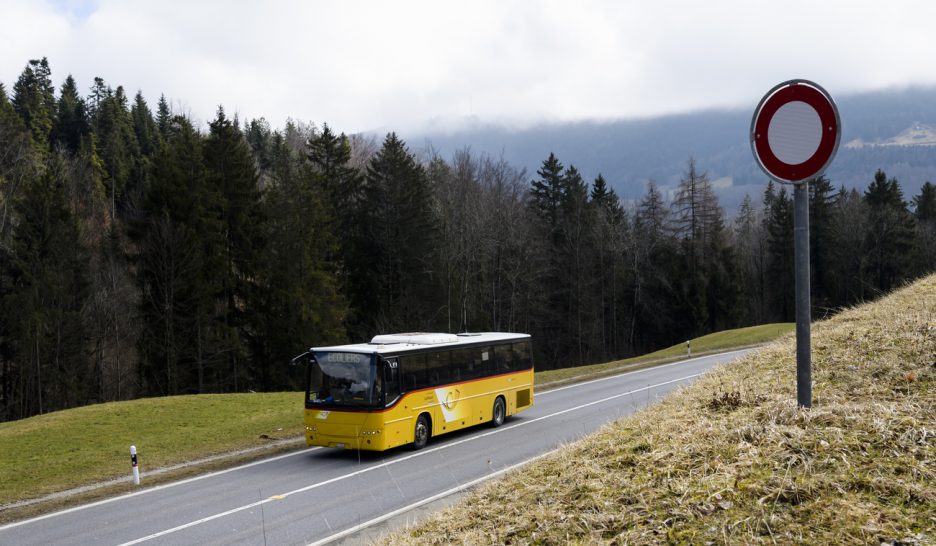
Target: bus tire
421, 432
499, 412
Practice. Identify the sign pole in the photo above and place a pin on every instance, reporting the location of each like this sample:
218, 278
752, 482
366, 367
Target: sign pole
803, 315
795, 133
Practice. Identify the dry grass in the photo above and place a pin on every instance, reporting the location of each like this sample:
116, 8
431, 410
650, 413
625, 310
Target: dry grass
732, 459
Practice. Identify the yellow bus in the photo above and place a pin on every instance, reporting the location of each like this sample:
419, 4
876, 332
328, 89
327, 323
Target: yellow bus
405, 388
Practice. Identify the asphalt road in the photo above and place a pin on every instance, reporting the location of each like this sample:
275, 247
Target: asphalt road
321, 495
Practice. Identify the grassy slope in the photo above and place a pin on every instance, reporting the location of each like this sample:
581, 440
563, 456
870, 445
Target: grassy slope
61, 450
729, 339
732, 459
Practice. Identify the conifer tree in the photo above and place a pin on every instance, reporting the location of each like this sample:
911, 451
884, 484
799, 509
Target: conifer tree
653, 210
330, 155
778, 222
605, 198
144, 126
99, 92
146, 144
230, 173
924, 205
117, 143
653, 257
576, 255
609, 231
260, 139
45, 275
821, 201
399, 237
17, 160
847, 264
34, 101
555, 205
71, 120
889, 237
163, 116
341, 184
340, 187
546, 191
750, 249
770, 194
925, 213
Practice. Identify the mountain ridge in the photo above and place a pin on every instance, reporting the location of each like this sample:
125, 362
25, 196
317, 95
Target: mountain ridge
889, 130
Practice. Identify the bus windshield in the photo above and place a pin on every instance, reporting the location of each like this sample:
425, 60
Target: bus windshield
347, 379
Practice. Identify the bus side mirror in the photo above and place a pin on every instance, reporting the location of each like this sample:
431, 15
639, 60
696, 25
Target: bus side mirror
301, 359
391, 369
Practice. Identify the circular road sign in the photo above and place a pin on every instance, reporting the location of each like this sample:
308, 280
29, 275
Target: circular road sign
795, 131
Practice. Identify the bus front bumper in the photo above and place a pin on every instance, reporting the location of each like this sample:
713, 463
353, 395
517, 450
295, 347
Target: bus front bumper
366, 440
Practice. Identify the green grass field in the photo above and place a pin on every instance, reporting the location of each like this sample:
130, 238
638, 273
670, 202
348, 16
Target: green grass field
61, 450
64, 449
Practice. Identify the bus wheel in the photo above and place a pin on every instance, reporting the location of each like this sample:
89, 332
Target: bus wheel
499, 413
421, 433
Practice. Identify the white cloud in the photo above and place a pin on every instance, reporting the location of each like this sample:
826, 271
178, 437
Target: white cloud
394, 65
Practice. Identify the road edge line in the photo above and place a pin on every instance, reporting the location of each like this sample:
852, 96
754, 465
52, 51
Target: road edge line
427, 500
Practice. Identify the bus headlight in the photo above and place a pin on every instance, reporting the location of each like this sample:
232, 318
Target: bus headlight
369, 432
311, 429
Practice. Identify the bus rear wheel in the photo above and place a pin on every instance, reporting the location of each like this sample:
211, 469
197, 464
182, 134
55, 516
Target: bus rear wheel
421, 432
499, 413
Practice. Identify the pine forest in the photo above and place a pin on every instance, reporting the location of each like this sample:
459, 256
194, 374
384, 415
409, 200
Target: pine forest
143, 255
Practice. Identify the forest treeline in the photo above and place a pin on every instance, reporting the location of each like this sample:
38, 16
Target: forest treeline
141, 255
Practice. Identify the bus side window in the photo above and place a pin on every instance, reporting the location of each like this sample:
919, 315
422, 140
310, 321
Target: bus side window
463, 366
483, 360
414, 369
438, 366
391, 380
502, 359
521, 356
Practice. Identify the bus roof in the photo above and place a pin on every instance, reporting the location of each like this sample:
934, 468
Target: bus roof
395, 343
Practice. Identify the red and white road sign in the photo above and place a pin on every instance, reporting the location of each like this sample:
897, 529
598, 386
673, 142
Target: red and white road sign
795, 131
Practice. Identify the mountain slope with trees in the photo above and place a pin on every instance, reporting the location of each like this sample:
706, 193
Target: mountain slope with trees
141, 255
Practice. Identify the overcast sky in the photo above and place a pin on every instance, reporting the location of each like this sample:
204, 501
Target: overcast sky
398, 64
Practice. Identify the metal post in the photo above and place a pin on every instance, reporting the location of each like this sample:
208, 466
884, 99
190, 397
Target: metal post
801, 251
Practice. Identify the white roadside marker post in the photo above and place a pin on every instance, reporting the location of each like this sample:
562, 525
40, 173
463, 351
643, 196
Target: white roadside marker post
133, 463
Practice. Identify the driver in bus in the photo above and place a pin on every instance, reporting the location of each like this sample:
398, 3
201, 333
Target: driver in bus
359, 386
